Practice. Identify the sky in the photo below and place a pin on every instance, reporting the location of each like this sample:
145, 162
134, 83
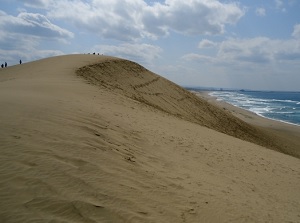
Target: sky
237, 44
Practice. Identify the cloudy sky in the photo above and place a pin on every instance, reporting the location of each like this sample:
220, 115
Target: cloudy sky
211, 43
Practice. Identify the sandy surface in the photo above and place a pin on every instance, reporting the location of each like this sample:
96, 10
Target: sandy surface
114, 142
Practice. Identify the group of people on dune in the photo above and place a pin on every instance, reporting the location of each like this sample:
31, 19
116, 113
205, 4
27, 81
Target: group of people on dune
5, 64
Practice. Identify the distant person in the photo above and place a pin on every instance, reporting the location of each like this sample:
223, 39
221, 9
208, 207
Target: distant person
20, 61
2, 65
5, 64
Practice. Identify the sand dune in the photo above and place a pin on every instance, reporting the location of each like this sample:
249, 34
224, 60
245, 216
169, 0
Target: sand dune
134, 81
125, 145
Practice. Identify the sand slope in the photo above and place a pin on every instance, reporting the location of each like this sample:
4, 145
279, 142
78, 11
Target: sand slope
76, 152
134, 81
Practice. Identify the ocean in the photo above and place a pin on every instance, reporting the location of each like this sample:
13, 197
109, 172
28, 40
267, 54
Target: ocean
280, 106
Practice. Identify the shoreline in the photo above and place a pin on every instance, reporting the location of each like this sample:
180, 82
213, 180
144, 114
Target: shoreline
273, 119
288, 133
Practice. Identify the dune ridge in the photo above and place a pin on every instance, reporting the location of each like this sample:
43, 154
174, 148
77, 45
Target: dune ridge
78, 152
136, 82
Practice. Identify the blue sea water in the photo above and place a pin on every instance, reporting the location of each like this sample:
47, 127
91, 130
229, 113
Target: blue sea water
281, 106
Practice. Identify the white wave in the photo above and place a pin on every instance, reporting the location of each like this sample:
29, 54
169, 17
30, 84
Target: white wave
275, 109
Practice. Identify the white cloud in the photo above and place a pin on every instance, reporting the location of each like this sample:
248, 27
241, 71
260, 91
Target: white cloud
22, 35
260, 51
199, 58
255, 63
36, 3
280, 5
32, 24
192, 17
39, 25
110, 19
256, 50
23, 48
135, 19
296, 32
142, 53
205, 43
260, 12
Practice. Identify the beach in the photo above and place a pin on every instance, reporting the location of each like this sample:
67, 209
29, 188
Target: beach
88, 138
286, 132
